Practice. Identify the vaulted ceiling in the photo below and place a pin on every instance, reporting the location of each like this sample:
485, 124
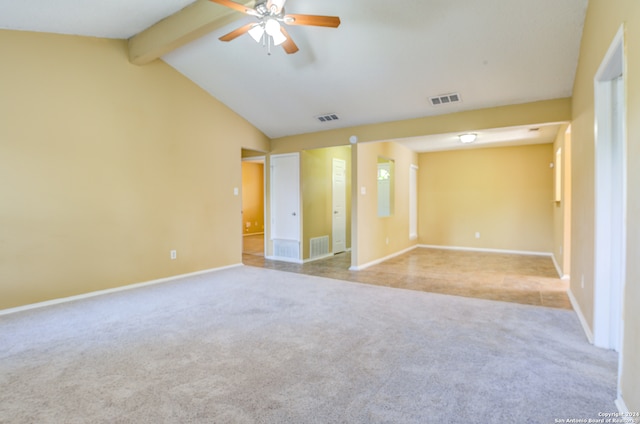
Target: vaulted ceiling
382, 64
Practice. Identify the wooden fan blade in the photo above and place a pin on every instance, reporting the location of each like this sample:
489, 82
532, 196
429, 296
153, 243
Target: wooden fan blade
236, 32
235, 6
289, 46
314, 20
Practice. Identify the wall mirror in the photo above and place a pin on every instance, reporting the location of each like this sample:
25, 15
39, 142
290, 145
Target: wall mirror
385, 186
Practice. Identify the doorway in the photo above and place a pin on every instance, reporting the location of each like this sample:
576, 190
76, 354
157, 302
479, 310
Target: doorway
339, 197
252, 203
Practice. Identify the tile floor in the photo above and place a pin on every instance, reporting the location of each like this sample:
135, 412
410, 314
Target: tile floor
524, 279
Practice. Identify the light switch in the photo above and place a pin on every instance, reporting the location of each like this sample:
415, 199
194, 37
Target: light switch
363, 190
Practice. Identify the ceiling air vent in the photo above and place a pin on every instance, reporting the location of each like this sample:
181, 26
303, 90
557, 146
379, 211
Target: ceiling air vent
328, 117
445, 99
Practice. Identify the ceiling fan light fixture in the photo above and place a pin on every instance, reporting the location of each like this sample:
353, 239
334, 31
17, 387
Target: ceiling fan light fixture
278, 38
468, 138
272, 27
271, 16
256, 32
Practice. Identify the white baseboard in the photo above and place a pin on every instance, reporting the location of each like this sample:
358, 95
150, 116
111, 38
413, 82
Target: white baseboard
583, 320
328, 255
252, 234
317, 258
111, 290
562, 275
481, 249
283, 259
377, 261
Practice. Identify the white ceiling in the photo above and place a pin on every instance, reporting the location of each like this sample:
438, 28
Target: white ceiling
382, 64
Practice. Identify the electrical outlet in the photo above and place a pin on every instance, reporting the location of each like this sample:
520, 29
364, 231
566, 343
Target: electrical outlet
477, 234
387, 240
173, 254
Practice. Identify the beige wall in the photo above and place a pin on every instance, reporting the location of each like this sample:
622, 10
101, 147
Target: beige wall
562, 208
317, 194
504, 193
604, 18
373, 231
106, 166
252, 197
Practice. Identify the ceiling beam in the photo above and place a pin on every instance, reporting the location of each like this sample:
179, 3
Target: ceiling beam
188, 24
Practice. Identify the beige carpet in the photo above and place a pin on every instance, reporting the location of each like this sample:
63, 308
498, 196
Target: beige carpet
249, 345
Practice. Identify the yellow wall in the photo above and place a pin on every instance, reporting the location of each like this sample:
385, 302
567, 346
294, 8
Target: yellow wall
252, 197
373, 231
604, 18
106, 166
504, 193
562, 208
317, 194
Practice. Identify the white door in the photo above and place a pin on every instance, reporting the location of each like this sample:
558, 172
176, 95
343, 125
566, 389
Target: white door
339, 206
285, 206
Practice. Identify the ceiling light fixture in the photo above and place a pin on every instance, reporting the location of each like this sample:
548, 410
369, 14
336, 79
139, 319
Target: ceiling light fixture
468, 138
268, 32
256, 32
272, 27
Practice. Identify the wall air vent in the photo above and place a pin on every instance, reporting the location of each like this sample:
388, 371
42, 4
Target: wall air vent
445, 99
328, 117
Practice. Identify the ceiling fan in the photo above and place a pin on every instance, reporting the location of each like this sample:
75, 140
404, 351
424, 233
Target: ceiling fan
269, 28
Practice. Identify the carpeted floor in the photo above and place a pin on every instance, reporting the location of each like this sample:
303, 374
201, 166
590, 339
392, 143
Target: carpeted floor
250, 345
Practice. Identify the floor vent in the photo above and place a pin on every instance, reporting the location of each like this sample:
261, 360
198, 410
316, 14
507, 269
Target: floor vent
286, 249
319, 246
445, 99
328, 117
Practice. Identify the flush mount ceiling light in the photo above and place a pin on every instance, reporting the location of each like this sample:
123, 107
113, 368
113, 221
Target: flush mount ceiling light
468, 138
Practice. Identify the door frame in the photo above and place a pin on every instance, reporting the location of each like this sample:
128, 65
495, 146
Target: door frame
610, 207
262, 160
